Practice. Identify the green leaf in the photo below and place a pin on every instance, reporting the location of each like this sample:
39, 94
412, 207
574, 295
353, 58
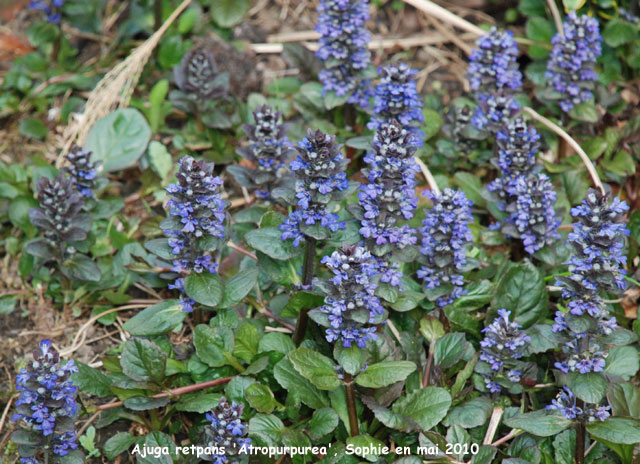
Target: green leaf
26, 437
247, 339
472, 413
119, 139
156, 320
323, 422
143, 360
540, 423
214, 345
239, 286
260, 397
624, 399
118, 444
539, 29
19, 214
590, 387
205, 288
586, 112
268, 240
91, 380
523, 292
366, 444
471, 185
573, 5
144, 403
621, 164
315, 367
449, 349
351, 358
82, 267
160, 159
390, 419
157, 440
432, 122
618, 32
431, 328
299, 301
620, 430
199, 402
622, 361
385, 373
426, 406
267, 428
228, 13
33, 127
290, 379
277, 342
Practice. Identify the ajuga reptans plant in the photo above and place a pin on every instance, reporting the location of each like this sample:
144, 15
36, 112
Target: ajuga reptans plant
445, 235
595, 267
51, 8
397, 98
527, 196
82, 170
503, 344
343, 48
269, 151
351, 308
226, 431
46, 407
566, 403
494, 76
320, 178
570, 69
196, 215
198, 80
61, 219
459, 129
389, 198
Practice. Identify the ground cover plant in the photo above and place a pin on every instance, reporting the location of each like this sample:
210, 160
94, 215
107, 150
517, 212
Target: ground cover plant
329, 232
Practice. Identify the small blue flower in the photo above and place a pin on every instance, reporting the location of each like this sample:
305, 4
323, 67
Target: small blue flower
351, 297
389, 198
445, 235
319, 169
397, 98
198, 210
503, 343
565, 403
493, 65
47, 400
226, 430
596, 266
82, 170
570, 69
343, 48
50, 9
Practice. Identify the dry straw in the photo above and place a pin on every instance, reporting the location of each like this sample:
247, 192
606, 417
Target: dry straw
114, 90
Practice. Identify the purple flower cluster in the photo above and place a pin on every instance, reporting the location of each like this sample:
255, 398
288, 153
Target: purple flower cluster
82, 170
565, 402
494, 111
445, 235
319, 168
570, 69
628, 16
504, 342
494, 76
198, 75
597, 240
269, 151
226, 431
397, 98
51, 9
389, 198
459, 129
351, 304
343, 48
196, 212
47, 404
493, 65
528, 197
